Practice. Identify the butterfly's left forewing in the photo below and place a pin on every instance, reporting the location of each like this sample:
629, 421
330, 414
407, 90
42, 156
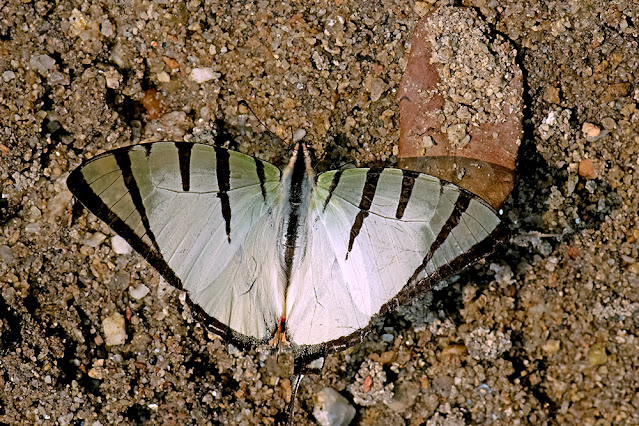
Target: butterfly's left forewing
378, 237
203, 217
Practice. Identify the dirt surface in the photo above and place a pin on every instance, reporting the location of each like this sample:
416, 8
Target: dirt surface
543, 332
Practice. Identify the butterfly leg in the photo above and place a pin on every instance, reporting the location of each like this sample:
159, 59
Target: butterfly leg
280, 335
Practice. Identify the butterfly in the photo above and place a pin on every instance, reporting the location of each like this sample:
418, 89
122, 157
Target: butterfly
285, 258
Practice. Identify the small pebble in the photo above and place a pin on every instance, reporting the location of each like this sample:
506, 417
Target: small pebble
34, 213
484, 389
95, 239
106, 28
608, 123
377, 89
32, 228
456, 133
164, 77
405, 395
139, 292
201, 75
442, 385
94, 373
551, 95
59, 203
57, 78
6, 254
587, 169
174, 123
332, 409
299, 135
114, 331
590, 130
119, 245
152, 103
597, 354
551, 346
42, 63
421, 8
8, 75
113, 78
388, 337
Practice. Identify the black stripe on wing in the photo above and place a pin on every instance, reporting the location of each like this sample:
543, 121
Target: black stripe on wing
223, 171
336, 177
184, 157
259, 169
462, 203
408, 182
123, 160
368, 194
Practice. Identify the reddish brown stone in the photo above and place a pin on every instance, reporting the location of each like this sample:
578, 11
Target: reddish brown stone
152, 103
587, 169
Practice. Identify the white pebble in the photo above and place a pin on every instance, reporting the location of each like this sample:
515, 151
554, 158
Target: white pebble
201, 75
139, 292
113, 79
119, 245
114, 331
332, 409
106, 28
8, 75
42, 63
6, 255
32, 228
95, 239
388, 337
163, 77
298, 135
378, 87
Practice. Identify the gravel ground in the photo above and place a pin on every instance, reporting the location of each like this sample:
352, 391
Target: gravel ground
543, 332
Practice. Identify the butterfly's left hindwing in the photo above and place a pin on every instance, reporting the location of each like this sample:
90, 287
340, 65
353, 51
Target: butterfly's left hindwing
379, 236
202, 216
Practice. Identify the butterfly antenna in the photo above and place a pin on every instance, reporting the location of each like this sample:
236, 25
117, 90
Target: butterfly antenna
245, 104
296, 379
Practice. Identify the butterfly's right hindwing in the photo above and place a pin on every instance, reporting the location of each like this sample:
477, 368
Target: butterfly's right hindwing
202, 216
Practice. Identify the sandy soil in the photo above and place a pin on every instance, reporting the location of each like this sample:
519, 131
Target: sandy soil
543, 332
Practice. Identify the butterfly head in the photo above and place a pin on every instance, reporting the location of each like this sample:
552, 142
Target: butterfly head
301, 158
